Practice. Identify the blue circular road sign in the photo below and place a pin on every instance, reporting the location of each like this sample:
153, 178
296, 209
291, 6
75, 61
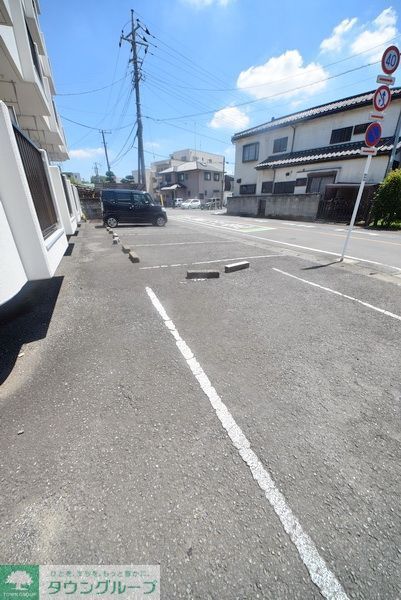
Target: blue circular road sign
373, 134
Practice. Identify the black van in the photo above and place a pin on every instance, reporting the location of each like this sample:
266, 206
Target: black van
131, 206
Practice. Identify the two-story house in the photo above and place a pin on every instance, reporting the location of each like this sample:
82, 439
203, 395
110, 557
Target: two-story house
39, 207
193, 179
307, 151
163, 176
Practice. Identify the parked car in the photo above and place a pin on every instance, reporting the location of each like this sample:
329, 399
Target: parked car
179, 201
211, 204
131, 206
191, 203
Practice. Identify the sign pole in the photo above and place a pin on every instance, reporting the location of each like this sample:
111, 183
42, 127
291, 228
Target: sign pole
357, 203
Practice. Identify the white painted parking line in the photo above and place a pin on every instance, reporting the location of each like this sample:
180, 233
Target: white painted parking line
326, 289
357, 232
182, 243
206, 262
319, 572
297, 224
318, 250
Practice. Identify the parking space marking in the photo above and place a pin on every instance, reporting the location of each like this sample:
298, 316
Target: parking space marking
319, 572
257, 237
207, 262
183, 243
326, 289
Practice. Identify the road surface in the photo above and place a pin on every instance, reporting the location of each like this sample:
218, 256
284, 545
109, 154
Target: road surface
242, 432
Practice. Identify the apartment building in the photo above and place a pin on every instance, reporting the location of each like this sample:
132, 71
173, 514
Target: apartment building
38, 206
315, 151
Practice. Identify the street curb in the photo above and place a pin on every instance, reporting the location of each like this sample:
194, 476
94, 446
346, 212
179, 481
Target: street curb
133, 257
203, 274
236, 266
125, 249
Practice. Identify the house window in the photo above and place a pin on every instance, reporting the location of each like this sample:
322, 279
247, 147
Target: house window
284, 187
301, 182
280, 145
249, 188
317, 183
186, 175
180, 176
341, 135
216, 176
250, 152
208, 175
168, 178
359, 129
267, 187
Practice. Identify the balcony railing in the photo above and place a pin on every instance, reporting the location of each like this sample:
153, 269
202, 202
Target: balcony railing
67, 196
38, 183
34, 53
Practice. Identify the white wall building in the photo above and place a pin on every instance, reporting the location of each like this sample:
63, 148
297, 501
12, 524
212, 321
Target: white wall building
208, 159
308, 150
38, 208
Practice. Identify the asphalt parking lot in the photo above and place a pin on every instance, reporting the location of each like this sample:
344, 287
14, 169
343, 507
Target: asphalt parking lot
241, 432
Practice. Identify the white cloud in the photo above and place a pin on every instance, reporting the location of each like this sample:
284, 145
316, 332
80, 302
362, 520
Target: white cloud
83, 153
335, 42
380, 31
282, 73
206, 3
230, 117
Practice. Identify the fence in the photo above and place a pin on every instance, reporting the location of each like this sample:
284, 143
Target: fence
38, 183
338, 203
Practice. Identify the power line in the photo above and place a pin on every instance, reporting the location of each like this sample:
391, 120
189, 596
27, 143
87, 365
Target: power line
281, 93
95, 90
91, 127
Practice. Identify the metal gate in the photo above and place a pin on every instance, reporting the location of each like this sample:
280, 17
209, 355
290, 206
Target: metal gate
38, 183
338, 202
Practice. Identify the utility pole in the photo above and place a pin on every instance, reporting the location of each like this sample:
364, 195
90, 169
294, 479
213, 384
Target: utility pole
96, 166
102, 131
132, 38
394, 150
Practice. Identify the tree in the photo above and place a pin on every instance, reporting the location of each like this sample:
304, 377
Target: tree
20, 579
110, 176
387, 201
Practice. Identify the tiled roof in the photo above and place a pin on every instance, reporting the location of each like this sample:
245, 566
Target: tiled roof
325, 154
315, 112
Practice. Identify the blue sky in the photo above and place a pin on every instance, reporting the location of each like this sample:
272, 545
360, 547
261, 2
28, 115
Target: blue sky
214, 67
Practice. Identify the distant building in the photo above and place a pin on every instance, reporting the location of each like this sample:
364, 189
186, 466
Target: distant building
192, 179
148, 178
188, 174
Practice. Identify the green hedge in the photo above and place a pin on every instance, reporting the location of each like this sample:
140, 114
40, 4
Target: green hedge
387, 201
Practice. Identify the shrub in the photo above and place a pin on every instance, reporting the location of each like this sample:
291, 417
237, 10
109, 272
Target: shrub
387, 200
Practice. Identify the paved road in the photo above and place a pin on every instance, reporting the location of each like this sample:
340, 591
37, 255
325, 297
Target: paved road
380, 249
243, 433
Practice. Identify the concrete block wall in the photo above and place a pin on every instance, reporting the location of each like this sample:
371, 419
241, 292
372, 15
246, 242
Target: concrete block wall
246, 206
300, 207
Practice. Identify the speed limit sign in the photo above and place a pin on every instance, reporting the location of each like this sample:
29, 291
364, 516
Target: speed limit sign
390, 60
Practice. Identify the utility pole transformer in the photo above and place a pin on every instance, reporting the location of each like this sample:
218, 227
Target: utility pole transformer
132, 39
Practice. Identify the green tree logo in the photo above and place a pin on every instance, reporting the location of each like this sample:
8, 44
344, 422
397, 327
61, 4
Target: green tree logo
21, 579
